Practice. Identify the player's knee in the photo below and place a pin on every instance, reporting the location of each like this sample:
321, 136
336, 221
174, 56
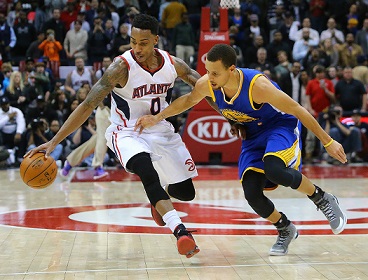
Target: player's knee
278, 173
183, 191
141, 165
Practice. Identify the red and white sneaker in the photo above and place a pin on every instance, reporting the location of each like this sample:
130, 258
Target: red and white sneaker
157, 217
185, 241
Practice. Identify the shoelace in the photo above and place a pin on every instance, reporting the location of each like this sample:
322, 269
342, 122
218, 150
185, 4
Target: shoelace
182, 232
326, 208
283, 235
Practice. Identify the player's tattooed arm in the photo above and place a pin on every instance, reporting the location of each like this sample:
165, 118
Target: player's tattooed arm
187, 74
115, 75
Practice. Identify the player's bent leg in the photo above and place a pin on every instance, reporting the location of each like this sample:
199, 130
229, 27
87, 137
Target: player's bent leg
277, 172
253, 183
183, 191
141, 165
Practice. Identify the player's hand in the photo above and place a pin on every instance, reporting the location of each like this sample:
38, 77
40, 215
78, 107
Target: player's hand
337, 151
145, 122
239, 131
47, 148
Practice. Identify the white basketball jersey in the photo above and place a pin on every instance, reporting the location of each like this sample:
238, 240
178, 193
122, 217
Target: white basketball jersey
147, 92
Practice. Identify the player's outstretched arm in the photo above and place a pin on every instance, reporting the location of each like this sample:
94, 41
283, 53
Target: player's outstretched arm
265, 92
179, 105
115, 74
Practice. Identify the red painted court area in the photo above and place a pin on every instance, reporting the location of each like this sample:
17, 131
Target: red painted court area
231, 173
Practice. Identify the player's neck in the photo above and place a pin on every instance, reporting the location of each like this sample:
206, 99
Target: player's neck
232, 86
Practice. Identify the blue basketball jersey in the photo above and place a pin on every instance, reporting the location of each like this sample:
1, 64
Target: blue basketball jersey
269, 131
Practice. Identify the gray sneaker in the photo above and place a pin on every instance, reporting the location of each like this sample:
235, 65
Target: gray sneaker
286, 235
329, 206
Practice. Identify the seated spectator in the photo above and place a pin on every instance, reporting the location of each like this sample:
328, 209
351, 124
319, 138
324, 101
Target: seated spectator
361, 37
74, 103
42, 80
349, 137
33, 51
59, 103
42, 110
332, 75
69, 14
30, 63
82, 18
78, 76
276, 46
38, 134
363, 126
352, 20
105, 64
6, 70
296, 34
282, 70
51, 47
262, 63
360, 72
349, 52
97, 42
239, 53
336, 36
15, 92
350, 93
314, 57
26, 34
303, 46
121, 42
12, 125
331, 51
75, 43
183, 39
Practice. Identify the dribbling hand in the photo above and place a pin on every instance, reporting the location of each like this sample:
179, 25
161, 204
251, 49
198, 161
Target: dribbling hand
47, 147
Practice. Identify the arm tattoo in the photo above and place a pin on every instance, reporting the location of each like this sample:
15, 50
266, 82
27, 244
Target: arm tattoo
187, 74
116, 74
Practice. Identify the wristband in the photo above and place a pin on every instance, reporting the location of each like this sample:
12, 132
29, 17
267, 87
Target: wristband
328, 144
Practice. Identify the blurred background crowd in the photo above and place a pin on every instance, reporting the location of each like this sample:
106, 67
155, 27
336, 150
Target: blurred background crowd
316, 50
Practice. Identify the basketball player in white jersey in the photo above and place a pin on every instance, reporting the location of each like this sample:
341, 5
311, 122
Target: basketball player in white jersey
141, 81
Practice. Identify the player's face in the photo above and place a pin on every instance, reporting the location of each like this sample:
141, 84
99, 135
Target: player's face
218, 75
143, 43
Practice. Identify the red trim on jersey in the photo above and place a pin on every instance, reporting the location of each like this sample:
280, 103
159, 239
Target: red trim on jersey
171, 59
121, 116
123, 58
115, 140
153, 71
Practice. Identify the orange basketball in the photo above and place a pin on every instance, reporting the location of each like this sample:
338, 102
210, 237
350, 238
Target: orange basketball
38, 172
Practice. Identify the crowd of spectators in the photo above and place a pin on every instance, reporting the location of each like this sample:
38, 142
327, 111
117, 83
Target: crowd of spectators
316, 50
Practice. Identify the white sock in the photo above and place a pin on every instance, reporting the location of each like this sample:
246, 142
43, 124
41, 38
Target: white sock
172, 219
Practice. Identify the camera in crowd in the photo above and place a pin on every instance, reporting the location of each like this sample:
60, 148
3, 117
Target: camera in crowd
332, 113
36, 124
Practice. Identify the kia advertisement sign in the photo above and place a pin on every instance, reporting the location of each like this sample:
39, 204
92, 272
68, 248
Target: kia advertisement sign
211, 130
207, 133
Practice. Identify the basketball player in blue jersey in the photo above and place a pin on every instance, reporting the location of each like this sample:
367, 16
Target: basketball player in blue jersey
270, 153
141, 81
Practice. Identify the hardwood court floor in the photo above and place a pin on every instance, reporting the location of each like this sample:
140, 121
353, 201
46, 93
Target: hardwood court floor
80, 229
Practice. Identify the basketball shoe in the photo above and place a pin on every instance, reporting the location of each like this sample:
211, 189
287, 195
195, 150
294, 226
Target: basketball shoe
286, 235
185, 241
99, 173
65, 171
157, 217
329, 206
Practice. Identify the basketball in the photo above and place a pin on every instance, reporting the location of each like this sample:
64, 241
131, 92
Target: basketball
38, 172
